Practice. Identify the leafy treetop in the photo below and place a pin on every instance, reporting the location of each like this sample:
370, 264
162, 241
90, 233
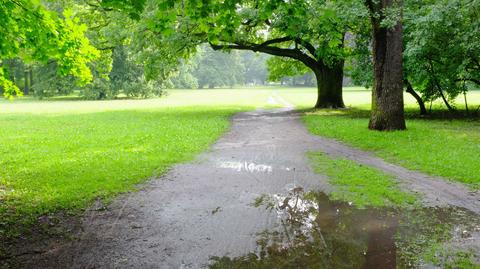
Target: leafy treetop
309, 31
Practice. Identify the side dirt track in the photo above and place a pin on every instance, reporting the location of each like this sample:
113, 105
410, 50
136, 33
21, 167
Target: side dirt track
204, 208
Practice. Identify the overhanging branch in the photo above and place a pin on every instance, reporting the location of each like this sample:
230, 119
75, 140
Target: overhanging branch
283, 52
275, 41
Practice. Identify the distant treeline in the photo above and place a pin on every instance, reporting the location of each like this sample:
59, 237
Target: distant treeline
207, 69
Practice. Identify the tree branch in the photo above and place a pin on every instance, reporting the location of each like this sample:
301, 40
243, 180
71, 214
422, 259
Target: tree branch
307, 45
275, 41
476, 81
410, 90
290, 53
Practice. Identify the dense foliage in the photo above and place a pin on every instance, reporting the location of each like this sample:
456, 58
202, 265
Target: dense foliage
309, 32
289, 72
31, 32
209, 68
442, 48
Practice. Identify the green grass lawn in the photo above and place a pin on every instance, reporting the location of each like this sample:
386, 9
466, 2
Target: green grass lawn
61, 155
360, 97
438, 147
443, 147
359, 184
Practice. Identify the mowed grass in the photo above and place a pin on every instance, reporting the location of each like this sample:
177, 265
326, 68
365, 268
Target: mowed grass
360, 97
62, 155
442, 147
359, 184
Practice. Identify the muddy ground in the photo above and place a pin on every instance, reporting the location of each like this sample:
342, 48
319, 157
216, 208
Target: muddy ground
212, 207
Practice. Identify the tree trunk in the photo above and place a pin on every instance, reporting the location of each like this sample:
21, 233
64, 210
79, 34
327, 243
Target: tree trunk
27, 83
439, 88
465, 99
421, 104
450, 108
387, 94
329, 85
31, 77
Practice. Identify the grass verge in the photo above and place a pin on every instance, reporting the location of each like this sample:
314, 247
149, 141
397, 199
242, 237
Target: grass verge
442, 147
359, 184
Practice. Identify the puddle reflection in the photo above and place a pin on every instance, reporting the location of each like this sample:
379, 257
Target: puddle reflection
315, 232
246, 166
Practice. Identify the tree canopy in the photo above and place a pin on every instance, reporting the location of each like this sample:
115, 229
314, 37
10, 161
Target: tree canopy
309, 32
442, 48
31, 32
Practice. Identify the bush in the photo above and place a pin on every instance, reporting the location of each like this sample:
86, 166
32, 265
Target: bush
143, 89
99, 89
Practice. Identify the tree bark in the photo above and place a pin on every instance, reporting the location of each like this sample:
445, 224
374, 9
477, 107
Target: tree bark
387, 94
329, 85
421, 104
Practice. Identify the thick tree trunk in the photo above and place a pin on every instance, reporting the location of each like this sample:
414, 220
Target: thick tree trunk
387, 94
421, 104
329, 85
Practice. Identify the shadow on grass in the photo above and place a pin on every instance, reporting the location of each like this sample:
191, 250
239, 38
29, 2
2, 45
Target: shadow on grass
410, 113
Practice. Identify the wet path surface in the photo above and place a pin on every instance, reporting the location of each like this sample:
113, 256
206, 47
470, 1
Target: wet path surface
232, 202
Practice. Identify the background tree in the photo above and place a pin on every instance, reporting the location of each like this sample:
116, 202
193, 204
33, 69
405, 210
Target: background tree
184, 78
442, 49
209, 68
32, 33
285, 69
255, 67
219, 69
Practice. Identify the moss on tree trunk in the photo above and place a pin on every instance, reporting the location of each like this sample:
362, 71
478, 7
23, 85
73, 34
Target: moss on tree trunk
387, 94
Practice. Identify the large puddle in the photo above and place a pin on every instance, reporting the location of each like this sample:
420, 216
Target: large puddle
316, 232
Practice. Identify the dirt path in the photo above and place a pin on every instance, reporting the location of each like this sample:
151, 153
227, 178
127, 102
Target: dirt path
204, 208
